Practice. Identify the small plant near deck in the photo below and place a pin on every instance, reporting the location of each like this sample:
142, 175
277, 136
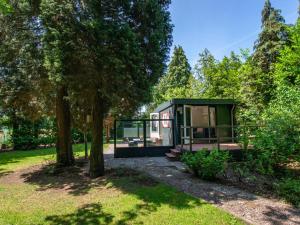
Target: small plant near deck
207, 164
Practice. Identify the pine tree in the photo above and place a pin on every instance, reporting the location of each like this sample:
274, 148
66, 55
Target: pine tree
178, 75
179, 70
272, 39
126, 45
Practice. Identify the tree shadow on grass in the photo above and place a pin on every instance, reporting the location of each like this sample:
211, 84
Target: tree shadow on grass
151, 195
87, 214
71, 179
4, 172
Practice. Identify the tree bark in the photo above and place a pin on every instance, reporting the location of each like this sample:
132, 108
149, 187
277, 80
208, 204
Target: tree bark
96, 154
64, 150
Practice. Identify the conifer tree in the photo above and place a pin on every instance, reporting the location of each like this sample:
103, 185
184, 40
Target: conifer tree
272, 39
178, 75
179, 70
126, 45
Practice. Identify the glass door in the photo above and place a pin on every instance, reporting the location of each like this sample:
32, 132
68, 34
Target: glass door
187, 123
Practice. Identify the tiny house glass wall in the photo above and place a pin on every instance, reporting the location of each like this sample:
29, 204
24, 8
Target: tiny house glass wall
129, 134
144, 133
165, 134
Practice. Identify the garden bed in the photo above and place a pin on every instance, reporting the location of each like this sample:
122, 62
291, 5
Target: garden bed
265, 185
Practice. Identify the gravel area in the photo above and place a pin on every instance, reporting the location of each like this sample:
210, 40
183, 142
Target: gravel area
249, 207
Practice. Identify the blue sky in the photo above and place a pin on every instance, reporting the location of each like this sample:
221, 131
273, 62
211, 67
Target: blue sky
221, 26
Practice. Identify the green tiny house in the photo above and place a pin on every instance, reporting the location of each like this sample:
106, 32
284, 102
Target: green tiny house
179, 123
199, 118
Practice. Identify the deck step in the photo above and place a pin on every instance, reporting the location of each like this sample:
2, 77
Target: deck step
172, 157
175, 152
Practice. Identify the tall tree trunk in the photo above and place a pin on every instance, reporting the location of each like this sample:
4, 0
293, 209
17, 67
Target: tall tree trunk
96, 154
64, 150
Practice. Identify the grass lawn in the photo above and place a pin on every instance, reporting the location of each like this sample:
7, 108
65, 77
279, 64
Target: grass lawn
12, 161
36, 195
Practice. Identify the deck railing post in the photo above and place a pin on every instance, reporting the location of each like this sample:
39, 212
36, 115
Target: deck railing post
181, 137
218, 137
191, 144
209, 123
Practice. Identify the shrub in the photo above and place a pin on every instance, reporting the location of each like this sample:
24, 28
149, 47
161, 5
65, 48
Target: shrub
278, 141
289, 189
206, 164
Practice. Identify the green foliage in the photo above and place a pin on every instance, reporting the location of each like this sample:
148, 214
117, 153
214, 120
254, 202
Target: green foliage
179, 70
5, 7
20, 63
278, 141
289, 189
220, 79
271, 40
29, 135
206, 164
190, 90
177, 82
287, 69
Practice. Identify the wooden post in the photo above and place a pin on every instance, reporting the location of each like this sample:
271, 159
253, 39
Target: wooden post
218, 137
191, 144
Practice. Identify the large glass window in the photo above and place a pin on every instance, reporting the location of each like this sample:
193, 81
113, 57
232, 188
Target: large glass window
200, 116
139, 133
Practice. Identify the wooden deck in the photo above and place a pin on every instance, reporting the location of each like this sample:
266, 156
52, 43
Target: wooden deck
223, 146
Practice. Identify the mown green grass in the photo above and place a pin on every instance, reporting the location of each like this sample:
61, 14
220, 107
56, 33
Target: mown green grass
123, 199
34, 196
15, 160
